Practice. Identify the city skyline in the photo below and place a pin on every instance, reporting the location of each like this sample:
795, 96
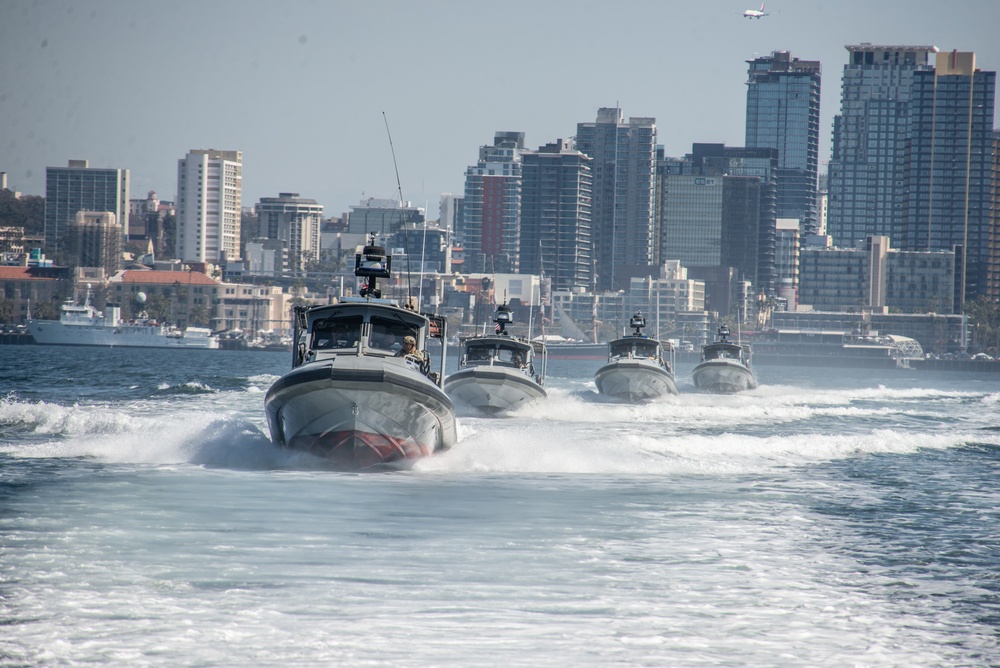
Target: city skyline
300, 89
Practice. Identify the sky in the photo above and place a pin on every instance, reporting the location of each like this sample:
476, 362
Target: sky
312, 91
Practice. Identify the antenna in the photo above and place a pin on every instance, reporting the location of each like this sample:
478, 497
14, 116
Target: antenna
402, 220
423, 248
531, 299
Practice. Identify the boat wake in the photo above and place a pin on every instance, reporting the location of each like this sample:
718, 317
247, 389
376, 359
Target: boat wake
573, 431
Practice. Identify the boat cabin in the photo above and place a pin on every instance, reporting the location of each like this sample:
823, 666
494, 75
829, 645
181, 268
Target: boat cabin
360, 329
724, 350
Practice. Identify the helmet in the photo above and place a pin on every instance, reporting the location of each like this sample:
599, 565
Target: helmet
410, 340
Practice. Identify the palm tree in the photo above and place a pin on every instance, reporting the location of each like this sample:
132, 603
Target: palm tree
6, 310
984, 316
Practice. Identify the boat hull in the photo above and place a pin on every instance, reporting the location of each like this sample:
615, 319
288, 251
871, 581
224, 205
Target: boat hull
723, 376
634, 380
493, 389
360, 412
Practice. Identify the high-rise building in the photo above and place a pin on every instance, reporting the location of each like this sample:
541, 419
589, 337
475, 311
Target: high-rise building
382, 217
749, 207
717, 216
95, 240
624, 190
422, 248
786, 255
950, 168
294, 221
209, 201
783, 96
491, 214
867, 169
873, 275
555, 216
80, 187
993, 275
449, 213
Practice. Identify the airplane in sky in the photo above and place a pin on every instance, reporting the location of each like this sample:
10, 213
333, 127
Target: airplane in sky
755, 13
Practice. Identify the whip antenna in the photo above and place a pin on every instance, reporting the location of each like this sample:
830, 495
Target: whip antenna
402, 220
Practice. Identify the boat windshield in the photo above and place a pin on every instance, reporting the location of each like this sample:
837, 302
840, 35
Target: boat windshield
723, 351
334, 333
388, 334
508, 355
640, 348
645, 349
620, 349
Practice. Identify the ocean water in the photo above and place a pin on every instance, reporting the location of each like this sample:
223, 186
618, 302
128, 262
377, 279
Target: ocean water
832, 517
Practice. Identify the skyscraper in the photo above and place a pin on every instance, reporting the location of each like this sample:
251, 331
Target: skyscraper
492, 211
868, 167
623, 205
717, 213
783, 96
294, 221
95, 240
80, 187
949, 184
555, 216
382, 217
209, 200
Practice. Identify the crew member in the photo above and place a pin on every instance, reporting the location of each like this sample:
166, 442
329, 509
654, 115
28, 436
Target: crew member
410, 348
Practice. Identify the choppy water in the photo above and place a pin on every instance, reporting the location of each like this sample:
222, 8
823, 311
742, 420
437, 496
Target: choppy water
829, 518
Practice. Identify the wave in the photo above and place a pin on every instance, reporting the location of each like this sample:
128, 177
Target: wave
548, 448
193, 387
772, 406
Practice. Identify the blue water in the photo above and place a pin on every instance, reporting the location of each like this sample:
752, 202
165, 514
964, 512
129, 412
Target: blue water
832, 517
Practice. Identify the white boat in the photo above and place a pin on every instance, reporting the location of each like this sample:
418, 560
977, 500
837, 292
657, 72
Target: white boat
725, 367
498, 373
84, 325
353, 395
637, 369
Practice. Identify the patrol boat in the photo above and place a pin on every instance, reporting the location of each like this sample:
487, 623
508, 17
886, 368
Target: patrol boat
725, 366
355, 395
498, 372
639, 368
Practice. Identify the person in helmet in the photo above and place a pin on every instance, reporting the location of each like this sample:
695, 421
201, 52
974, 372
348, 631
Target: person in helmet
410, 348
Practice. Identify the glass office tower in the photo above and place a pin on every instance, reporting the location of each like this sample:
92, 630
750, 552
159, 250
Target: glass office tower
868, 167
783, 96
949, 172
555, 216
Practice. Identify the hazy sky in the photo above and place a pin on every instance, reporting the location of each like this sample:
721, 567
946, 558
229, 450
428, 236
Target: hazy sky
301, 87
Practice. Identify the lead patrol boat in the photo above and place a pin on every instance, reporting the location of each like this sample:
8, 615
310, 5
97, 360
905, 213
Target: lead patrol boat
497, 373
353, 395
725, 366
638, 369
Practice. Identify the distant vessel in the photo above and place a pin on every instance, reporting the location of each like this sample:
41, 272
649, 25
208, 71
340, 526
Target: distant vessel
725, 366
559, 348
498, 372
637, 369
84, 325
361, 391
805, 347
574, 343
